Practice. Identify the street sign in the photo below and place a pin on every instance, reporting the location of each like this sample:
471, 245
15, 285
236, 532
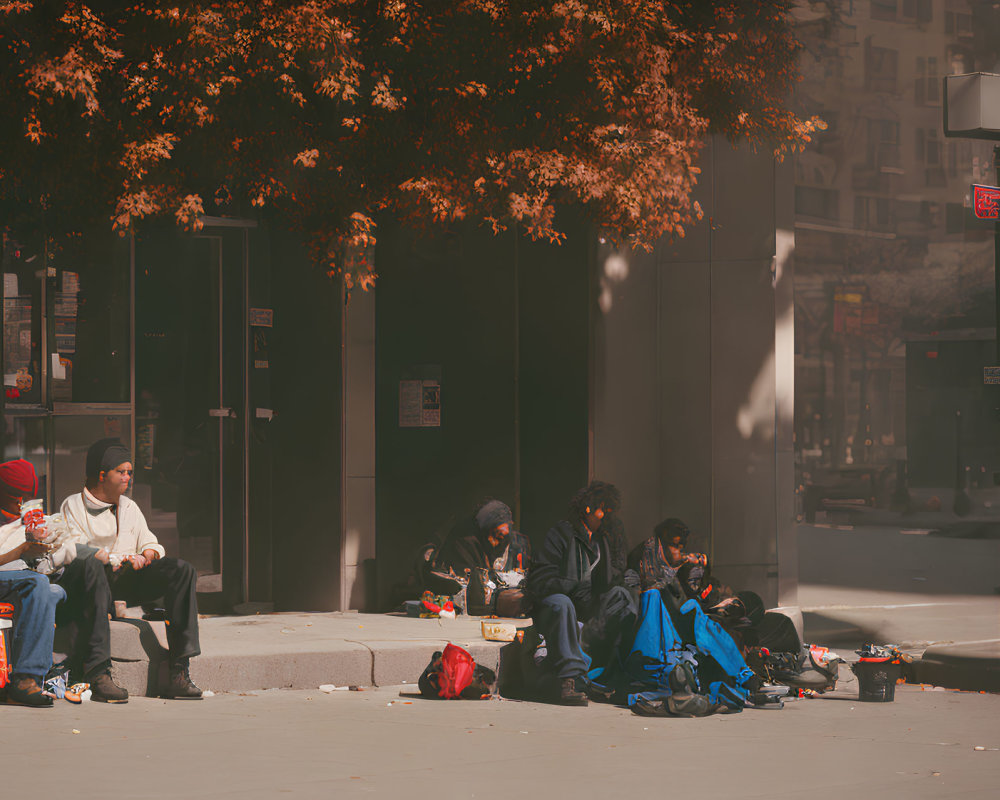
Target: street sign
986, 201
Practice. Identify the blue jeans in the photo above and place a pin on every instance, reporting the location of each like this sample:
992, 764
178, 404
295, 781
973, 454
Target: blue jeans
34, 600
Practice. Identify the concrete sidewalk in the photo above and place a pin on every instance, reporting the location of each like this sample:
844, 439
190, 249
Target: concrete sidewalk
306, 650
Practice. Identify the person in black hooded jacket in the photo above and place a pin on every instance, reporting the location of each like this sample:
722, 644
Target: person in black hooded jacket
578, 575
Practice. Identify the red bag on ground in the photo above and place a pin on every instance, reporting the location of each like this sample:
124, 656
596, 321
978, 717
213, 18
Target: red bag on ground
448, 674
456, 671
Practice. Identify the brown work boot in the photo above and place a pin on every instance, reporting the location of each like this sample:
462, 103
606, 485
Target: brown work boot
25, 691
181, 686
103, 689
569, 696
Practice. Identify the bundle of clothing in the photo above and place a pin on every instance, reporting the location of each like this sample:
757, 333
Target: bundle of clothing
681, 663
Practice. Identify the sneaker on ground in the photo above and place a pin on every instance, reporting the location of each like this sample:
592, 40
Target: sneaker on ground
25, 691
104, 690
75, 693
686, 704
181, 686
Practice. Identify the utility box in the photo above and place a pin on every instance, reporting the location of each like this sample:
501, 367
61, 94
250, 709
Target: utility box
972, 105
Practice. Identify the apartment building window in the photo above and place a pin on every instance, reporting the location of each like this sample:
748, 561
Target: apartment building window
883, 143
884, 9
957, 23
919, 10
927, 85
929, 151
872, 213
814, 201
881, 68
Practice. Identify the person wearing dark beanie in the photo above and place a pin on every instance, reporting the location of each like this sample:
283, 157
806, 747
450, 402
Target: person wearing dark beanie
485, 548
104, 517
33, 598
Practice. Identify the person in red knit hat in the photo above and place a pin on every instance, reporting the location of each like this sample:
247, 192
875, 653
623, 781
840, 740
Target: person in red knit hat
34, 599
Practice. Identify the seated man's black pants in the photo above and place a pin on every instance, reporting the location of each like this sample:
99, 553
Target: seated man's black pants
83, 618
176, 582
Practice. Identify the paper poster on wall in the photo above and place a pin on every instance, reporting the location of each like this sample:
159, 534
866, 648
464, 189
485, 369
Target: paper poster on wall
66, 308
16, 333
62, 378
70, 282
262, 317
420, 403
260, 358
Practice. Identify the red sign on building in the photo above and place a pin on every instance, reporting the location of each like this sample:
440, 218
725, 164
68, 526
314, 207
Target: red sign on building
986, 201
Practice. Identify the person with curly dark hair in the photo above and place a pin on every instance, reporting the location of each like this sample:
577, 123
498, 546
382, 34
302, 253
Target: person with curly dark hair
578, 575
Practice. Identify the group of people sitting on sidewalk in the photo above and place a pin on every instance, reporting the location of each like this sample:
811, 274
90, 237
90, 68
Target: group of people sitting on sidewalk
70, 578
651, 627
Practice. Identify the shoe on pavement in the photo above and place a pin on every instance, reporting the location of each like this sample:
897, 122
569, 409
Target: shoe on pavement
809, 674
104, 690
569, 696
76, 693
181, 687
25, 691
686, 704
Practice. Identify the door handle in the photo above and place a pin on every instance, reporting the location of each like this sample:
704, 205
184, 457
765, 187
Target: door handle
222, 412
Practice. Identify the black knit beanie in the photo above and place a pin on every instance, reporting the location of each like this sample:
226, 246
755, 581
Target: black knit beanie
493, 514
104, 455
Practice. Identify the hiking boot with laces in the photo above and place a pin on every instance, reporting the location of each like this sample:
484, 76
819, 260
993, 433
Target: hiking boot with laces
569, 696
181, 686
103, 689
25, 691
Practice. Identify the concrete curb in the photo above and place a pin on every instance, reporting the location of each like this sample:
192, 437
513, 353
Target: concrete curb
972, 666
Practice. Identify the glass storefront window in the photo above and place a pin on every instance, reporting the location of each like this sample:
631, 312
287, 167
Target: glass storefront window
25, 437
894, 275
23, 266
72, 437
90, 319
66, 352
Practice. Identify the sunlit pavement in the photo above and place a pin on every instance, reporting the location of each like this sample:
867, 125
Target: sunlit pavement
282, 743
931, 595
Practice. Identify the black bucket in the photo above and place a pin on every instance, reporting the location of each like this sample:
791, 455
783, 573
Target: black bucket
877, 679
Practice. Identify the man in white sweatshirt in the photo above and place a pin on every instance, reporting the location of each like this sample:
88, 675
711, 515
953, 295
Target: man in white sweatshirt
102, 516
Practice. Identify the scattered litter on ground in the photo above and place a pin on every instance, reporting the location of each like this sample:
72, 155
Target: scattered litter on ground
208, 693
329, 687
75, 730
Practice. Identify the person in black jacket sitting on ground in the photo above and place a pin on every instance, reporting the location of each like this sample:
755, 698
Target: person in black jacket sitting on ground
579, 575
485, 552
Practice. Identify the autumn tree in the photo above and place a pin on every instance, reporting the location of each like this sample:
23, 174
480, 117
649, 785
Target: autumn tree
324, 114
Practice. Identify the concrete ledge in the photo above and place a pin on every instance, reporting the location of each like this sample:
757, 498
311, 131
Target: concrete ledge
297, 651
972, 666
